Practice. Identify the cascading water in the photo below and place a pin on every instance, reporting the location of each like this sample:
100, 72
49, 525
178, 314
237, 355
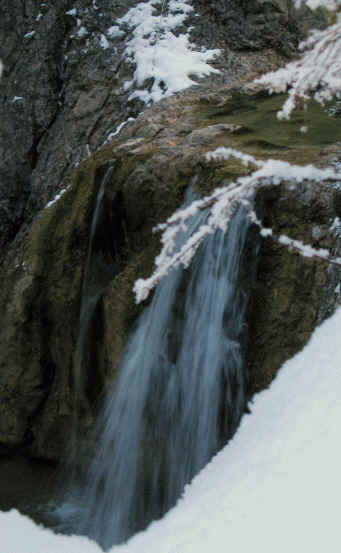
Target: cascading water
180, 393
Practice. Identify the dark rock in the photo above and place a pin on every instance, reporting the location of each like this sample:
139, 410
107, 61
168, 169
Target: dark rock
251, 25
60, 97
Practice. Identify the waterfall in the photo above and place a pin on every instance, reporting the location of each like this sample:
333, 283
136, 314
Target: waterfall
93, 285
179, 395
99, 269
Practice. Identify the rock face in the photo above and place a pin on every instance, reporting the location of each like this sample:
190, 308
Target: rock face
250, 25
293, 294
62, 93
60, 96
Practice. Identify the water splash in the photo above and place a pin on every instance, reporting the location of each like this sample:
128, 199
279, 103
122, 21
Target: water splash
180, 393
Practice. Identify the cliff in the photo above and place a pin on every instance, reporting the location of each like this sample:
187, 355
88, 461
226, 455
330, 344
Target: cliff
62, 95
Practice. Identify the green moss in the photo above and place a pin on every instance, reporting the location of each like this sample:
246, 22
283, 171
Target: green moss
264, 135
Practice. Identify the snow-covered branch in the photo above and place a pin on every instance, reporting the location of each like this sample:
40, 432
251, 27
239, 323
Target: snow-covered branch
317, 73
220, 207
305, 250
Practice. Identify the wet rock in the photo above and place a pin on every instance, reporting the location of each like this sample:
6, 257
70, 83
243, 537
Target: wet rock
293, 293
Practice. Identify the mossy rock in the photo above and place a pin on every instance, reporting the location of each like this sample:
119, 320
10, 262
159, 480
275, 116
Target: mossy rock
297, 140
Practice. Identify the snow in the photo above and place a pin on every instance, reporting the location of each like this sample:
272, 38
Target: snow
118, 129
223, 153
56, 198
82, 32
313, 4
165, 59
20, 535
115, 32
265, 232
274, 168
160, 54
104, 42
305, 249
274, 487
336, 226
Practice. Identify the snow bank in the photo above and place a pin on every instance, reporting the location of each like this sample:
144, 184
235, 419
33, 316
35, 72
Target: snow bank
18, 534
161, 54
275, 487
313, 4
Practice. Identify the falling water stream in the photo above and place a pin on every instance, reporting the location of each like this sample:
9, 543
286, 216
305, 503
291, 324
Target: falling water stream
97, 273
179, 395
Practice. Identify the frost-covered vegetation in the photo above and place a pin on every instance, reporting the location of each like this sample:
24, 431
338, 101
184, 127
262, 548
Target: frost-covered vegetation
317, 72
222, 204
